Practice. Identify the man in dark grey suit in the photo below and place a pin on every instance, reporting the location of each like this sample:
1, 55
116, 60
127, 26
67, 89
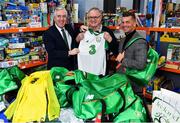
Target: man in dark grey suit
60, 43
135, 55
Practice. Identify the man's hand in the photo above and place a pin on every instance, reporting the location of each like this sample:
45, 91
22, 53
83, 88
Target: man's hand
107, 37
80, 37
83, 28
120, 57
74, 51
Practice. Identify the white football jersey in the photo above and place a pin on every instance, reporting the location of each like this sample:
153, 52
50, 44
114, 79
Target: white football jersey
92, 55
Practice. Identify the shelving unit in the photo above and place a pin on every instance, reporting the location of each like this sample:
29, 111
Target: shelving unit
150, 29
119, 27
26, 29
23, 29
32, 64
170, 70
156, 29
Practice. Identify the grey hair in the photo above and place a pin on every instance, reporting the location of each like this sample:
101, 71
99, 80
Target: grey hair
96, 9
60, 8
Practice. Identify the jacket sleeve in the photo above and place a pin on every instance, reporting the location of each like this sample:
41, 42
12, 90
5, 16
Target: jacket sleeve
138, 58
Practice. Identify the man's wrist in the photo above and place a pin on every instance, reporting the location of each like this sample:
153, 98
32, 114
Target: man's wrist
69, 53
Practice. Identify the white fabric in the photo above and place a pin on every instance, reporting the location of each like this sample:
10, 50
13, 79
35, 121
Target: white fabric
92, 63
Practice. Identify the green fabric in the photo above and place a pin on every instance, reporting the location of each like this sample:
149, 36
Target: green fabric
135, 113
106, 45
142, 77
86, 95
94, 32
86, 99
16, 73
59, 77
9, 78
59, 74
6, 82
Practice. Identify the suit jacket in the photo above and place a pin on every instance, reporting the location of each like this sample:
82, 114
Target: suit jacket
57, 48
135, 55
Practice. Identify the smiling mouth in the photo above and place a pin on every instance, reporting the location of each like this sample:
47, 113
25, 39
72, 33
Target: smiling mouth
125, 27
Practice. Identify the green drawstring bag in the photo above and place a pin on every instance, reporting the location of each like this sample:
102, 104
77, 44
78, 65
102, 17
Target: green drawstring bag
107, 95
62, 82
142, 77
10, 78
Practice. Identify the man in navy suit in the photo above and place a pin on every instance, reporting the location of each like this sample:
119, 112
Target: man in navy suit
60, 43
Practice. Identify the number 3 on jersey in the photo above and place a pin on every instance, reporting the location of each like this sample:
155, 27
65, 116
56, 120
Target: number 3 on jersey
92, 49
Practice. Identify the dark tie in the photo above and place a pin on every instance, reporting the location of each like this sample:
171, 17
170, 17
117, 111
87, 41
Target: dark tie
64, 36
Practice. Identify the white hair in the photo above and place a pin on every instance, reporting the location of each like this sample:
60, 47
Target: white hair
60, 8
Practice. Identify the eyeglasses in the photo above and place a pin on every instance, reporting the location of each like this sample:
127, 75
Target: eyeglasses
94, 17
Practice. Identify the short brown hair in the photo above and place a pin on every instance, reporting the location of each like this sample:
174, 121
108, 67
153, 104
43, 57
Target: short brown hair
129, 13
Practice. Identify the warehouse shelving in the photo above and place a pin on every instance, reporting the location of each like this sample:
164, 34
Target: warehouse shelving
32, 64
21, 30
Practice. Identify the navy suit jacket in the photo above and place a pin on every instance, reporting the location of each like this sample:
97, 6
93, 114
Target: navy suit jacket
57, 49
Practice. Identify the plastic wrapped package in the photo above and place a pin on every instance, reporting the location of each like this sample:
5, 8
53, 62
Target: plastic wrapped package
67, 116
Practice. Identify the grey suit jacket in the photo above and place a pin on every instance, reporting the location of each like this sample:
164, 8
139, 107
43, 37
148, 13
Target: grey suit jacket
135, 55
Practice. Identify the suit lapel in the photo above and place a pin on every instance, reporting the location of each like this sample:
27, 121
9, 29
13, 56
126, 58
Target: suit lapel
59, 36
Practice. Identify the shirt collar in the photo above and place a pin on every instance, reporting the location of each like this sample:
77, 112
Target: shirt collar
59, 27
100, 29
131, 33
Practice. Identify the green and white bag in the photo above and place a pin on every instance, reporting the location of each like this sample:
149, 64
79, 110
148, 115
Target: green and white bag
142, 77
91, 95
108, 95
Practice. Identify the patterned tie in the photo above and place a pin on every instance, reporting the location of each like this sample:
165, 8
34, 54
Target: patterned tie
65, 38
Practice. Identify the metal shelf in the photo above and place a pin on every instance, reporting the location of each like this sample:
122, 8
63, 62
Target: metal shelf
31, 64
170, 70
23, 29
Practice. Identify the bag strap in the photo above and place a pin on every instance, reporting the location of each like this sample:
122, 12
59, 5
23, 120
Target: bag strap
132, 41
103, 119
124, 102
70, 92
111, 117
